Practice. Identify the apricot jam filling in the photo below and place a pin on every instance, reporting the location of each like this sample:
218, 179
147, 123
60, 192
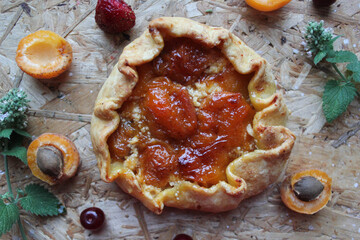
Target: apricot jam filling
186, 118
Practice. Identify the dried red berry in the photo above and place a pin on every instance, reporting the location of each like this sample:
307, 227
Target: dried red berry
114, 16
92, 218
182, 237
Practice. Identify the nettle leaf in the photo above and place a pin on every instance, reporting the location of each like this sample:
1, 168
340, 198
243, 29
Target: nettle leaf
354, 66
18, 152
330, 52
342, 56
6, 133
40, 201
20, 192
320, 56
333, 40
22, 133
336, 98
6, 196
356, 77
9, 214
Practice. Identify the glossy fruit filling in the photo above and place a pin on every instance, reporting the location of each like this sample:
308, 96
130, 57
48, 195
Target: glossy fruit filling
186, 118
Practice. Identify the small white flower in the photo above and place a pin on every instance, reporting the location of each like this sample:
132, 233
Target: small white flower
329, 30
61, 209
20, 94
3, 116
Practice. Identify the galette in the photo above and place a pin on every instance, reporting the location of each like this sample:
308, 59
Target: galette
190, 118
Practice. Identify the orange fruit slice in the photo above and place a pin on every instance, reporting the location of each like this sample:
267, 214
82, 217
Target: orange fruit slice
68, 152
290, 199
44, 54
267, 5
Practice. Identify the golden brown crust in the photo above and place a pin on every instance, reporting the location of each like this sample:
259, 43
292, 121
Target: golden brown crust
246, 175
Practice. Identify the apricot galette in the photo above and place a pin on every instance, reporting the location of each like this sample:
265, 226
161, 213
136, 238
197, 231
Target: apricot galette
189, 118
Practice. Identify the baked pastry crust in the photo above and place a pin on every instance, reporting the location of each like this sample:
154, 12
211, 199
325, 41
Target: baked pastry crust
247, 175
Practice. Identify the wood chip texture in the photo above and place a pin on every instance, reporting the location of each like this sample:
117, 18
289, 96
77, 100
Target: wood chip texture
65, 104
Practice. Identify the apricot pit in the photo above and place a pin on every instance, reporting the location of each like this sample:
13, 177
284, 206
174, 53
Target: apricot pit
308, 188
50, 160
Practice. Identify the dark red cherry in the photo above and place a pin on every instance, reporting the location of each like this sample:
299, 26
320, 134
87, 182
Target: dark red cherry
182, 237
323, 3
92, 218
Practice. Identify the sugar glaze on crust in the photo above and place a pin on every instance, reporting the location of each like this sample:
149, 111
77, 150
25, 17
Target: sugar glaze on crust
247, 175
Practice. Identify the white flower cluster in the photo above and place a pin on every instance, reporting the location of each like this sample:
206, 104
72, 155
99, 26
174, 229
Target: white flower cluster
12, 110
318, 38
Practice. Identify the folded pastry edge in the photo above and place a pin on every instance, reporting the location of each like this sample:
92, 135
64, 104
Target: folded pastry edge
266, 125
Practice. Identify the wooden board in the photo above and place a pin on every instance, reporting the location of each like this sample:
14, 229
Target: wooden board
64, 105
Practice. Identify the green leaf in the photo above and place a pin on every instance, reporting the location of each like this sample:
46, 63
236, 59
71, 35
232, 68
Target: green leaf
6, 133
333, 40
20, 192
40, 201
342, 56
354, 71
354, 66
22, 133
9, 214
6, 196
356, 77
330, 53
18, 152
320, 56
336, 98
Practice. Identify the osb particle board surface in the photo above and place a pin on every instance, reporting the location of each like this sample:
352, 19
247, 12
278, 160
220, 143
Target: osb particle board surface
64, 105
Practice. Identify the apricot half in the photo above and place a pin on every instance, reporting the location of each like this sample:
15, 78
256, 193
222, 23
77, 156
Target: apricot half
53, 158
307, 191
44, 54
267, 5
